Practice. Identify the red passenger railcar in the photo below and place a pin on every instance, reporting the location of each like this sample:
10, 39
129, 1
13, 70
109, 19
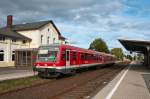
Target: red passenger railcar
59, 59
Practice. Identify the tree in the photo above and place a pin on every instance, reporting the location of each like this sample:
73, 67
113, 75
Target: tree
135, 57
99, 45
129, 57
140, 57
118, 53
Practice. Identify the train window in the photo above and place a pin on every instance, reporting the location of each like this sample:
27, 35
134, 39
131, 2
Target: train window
86, 56
90, 57
63, 56
74, 56
82, 56
94, 57
100, 57
67, 55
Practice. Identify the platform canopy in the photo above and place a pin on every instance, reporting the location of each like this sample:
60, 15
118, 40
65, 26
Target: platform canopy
139, 47
135, 45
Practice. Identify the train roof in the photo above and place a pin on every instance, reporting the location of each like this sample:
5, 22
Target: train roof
77, 48
86, 50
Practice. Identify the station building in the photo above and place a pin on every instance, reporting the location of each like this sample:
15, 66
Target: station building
26, 36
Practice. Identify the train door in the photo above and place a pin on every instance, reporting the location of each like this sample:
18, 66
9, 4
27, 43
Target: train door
67, 58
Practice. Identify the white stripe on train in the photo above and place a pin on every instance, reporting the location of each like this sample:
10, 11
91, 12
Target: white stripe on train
73, 66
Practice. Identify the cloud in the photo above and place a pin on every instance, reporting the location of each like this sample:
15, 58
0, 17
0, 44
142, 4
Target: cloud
59, 9
84, 20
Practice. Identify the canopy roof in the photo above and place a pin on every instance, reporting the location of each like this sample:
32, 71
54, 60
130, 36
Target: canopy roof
135, 45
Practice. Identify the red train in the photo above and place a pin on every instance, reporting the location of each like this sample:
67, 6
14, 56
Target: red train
59, 59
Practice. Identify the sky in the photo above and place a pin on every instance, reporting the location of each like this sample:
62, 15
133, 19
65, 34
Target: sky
81, 21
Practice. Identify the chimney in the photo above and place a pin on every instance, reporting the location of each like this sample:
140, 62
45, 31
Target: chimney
9, 20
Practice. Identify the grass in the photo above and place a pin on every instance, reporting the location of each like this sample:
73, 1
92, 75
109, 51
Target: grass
16, 84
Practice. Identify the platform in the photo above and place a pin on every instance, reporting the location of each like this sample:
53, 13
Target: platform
8, 73
131, 83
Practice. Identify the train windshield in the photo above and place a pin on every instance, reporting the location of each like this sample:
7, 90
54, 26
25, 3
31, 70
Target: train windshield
47, 54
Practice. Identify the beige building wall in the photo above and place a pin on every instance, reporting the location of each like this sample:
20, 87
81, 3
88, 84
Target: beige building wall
8, 47
47, 31
34, 35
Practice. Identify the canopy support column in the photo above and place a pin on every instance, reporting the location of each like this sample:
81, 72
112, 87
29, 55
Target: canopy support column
145, 59
148, 57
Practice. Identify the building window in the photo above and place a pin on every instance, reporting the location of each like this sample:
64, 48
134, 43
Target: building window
2, 38
48, 40
24, 41
1, 55
41, 39
13, 55
53, 40
14, 40
48, 29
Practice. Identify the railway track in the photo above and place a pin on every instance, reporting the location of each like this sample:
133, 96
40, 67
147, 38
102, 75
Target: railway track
80, 86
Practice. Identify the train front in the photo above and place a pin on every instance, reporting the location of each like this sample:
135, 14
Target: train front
47, 60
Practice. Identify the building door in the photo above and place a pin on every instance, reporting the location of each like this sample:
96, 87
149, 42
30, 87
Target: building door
67, 58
